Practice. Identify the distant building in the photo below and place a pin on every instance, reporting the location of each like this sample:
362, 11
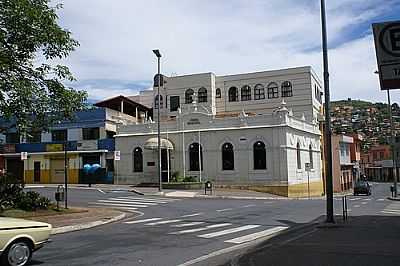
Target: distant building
377, 163
89, 139
342, 165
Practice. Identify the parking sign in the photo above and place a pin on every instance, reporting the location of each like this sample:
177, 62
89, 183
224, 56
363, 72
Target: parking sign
117, 155
387, 46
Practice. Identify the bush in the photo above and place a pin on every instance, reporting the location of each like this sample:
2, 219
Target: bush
11, 189
31, 201
12, 195
190, 179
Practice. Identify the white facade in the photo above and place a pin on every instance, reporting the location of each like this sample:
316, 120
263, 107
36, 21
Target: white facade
286, 126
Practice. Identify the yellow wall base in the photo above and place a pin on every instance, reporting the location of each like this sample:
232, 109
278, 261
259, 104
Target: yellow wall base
292, 191
73, 176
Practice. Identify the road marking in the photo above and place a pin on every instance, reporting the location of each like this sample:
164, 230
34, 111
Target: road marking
229, 231
247, 238
187, 224
391, 212
34, 187
356, 206
200, 229
127, 202
224, 210
366, 199
101, 191
355, 199
164, 222
191, 215
363, 203
149, 199
120, 204
247, 206
380, 199
143, 221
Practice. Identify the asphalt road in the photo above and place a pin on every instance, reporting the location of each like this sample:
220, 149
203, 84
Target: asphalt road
186, 231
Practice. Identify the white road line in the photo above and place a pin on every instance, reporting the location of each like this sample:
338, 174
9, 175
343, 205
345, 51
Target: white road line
224, 210
101, 191
356, 206
247, 206
143, 221
149, 199
127, 201
229, 231
192, 215
247, 238
366, 199
119, 204
364, 203
380, 199
391, 212
187, 224
164, 222
199, 229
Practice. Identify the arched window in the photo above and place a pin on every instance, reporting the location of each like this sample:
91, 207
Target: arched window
194, 157
189, 96
259, 93
137, 160
310, 154
259, 155
273, 90
287, 89
246, 93
233, 94
228, 158
298, 156
218, 93
156, 102
202, 95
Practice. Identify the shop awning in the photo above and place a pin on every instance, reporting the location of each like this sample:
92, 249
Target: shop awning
152, 144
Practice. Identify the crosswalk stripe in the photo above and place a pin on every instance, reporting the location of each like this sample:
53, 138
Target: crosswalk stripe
143, 221
380, 199
391, 212
127, 202
191, 215
119, 204
200, 229
229, 231
224, 210
187, 224
247, 238
149, 199
164, 222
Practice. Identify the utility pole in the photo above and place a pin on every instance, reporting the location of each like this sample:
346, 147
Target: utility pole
392, 145
66, 172
157, 53
328, 133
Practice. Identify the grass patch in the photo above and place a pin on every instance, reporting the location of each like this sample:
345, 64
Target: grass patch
51, 211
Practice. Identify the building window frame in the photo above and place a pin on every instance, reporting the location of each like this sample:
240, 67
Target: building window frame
91, 133
194, 157
245, 93
59, 135
298, 156
218, 93
233, 94
156, 102
259, 156
228, 157
273, 90
202, 95
259, 92
287, 89
189, 96
137, 160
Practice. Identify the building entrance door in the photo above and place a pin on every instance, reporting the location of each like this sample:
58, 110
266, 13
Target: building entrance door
165, 155
36, 172
57, 171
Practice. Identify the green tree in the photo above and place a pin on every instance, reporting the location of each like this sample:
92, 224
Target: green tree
32, 89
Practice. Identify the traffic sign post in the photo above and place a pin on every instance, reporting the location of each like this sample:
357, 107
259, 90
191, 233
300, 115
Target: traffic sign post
387, 46
308, 169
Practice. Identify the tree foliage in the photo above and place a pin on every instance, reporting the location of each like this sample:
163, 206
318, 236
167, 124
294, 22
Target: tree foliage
32, 89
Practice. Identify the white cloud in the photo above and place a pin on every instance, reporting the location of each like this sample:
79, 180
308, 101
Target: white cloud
224, 37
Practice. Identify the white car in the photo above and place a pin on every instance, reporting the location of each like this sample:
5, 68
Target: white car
19, 238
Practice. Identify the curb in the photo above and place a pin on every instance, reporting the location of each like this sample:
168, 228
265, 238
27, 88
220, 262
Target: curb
71, 228
393, 199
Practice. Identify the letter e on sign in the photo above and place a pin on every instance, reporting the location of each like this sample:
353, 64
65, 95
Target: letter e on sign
117, 155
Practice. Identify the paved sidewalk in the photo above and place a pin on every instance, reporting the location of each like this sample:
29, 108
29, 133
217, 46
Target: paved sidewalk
89, 218
364, 240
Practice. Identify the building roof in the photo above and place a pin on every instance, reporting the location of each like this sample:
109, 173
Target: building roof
129, 105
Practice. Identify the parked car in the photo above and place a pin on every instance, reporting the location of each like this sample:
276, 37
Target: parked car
362, 187
19, 238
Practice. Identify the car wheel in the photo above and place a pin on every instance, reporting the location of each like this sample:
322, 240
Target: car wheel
18, 253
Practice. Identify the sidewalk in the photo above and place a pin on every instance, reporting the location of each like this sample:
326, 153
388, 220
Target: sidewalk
89, 218
363, 240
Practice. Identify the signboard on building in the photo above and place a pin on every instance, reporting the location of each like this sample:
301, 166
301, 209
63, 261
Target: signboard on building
308, 167
87, 145
54, 147
9, 148
24, 155
117, 155
387, 46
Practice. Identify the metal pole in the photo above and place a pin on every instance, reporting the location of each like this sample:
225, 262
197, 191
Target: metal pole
392, 145
65, 174
199, 157
158, 127
183, 149
328, 134
308, 179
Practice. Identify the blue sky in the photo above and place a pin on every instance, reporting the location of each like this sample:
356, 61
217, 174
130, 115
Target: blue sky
224, 37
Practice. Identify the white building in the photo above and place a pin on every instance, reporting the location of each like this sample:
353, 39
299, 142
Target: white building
256, 130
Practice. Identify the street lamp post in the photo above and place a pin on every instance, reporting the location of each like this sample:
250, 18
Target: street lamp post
157, 53
328, 133
66, 173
